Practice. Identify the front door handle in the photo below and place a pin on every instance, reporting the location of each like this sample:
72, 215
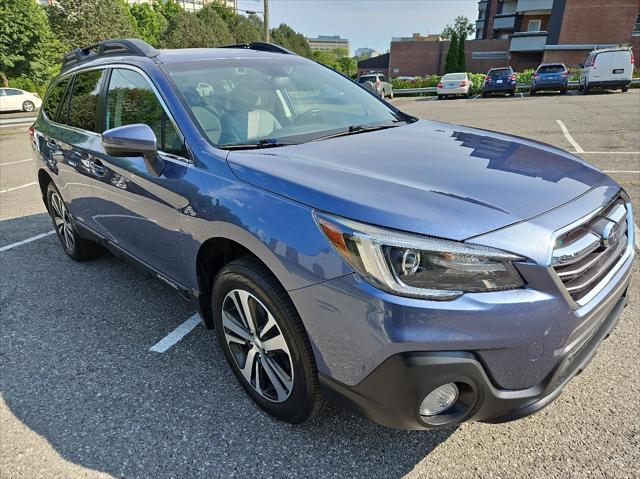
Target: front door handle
98, 168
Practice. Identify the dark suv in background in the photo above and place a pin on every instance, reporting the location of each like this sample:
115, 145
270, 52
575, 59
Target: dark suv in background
418, 272
499, 80
550, 76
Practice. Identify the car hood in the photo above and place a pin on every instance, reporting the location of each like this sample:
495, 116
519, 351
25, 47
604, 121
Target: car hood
427, 177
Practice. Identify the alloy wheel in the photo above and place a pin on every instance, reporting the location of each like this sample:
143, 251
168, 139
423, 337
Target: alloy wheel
257, 345
29, 106
62, 222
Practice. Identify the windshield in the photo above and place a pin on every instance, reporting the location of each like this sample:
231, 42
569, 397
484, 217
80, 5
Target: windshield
240, 101
454, 76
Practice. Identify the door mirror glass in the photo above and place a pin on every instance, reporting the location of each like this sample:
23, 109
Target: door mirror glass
134, 140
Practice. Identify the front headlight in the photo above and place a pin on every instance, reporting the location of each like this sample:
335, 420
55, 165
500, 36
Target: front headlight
419, 266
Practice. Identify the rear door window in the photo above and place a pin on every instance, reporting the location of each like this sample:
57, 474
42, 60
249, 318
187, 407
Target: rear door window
54, 99
84, 101
131, 100
365, 79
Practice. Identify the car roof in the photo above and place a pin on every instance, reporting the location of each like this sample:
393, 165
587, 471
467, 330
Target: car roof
610, 50
172, 56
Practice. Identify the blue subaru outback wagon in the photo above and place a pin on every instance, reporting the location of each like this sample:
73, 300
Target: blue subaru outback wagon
419, 273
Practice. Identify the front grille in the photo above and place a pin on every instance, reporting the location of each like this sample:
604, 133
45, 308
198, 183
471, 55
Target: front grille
583, 256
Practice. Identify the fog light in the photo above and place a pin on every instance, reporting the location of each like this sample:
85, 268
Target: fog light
439, 400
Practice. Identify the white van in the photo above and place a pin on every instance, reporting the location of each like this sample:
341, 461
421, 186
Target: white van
611, 68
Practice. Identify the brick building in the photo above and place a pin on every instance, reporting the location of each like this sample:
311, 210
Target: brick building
558, 30
525, 33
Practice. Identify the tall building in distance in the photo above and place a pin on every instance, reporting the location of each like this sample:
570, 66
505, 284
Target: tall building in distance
366, 53
325, 43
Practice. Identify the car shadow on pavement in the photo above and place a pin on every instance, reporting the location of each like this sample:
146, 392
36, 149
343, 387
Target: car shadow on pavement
75, 367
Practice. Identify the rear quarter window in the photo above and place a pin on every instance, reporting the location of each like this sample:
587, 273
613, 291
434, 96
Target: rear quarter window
84, 102
54, 98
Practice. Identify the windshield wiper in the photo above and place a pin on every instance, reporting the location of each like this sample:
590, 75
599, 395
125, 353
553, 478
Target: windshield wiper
263, 143
355, 129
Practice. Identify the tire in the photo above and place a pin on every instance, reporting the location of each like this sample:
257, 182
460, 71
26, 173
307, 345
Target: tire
440, 97
586, 90
512, 93
28, 106
298, 397
77, 248
485, 94
625, 89
469, 94
563, 91
581, 88
532, 93
391, 95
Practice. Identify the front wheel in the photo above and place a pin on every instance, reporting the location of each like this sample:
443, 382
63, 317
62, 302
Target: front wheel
28, 106
264, 341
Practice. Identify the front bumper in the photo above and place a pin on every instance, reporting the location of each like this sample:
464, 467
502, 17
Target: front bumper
391, 394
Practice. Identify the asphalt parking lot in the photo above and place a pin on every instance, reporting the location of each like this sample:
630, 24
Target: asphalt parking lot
82, 394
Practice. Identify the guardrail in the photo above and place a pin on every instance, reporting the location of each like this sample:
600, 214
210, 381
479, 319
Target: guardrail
521, 86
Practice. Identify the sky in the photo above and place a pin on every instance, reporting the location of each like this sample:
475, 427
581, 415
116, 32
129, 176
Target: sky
366, 23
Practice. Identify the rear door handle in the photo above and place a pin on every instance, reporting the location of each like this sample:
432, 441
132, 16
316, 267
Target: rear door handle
53, 144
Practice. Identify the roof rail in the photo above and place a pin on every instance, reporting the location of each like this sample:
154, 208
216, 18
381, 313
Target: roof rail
129, 46
262, 47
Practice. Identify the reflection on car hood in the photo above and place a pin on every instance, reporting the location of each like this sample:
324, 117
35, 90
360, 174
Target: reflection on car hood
428, 177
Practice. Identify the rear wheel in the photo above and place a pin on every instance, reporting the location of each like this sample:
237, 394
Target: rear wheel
264, 341
28, 106
563, 91
532, 93
78, 249
391, 94
512, 93
625, 89
485, 94
586, 90
440, 97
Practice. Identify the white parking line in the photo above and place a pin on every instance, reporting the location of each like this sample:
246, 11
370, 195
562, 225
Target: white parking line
18, 187
176, 335
28, 240
611, 152
569, 138
621, 171
15, 162
637, 235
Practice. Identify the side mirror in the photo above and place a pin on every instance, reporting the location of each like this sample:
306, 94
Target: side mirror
134, 140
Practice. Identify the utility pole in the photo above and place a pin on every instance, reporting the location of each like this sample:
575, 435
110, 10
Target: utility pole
267, 34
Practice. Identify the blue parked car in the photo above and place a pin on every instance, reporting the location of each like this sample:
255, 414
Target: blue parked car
417, 272
550, 76
499, 80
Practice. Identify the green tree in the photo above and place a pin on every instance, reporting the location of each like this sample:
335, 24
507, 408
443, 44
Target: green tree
257, 23
461, 25
217, 31
168, 9
451, 63
78, 23
149, 22
203, 30
243, 30
462, 58
285, 36
27, 46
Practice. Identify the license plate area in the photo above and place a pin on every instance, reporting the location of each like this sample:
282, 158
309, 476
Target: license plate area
618, 71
